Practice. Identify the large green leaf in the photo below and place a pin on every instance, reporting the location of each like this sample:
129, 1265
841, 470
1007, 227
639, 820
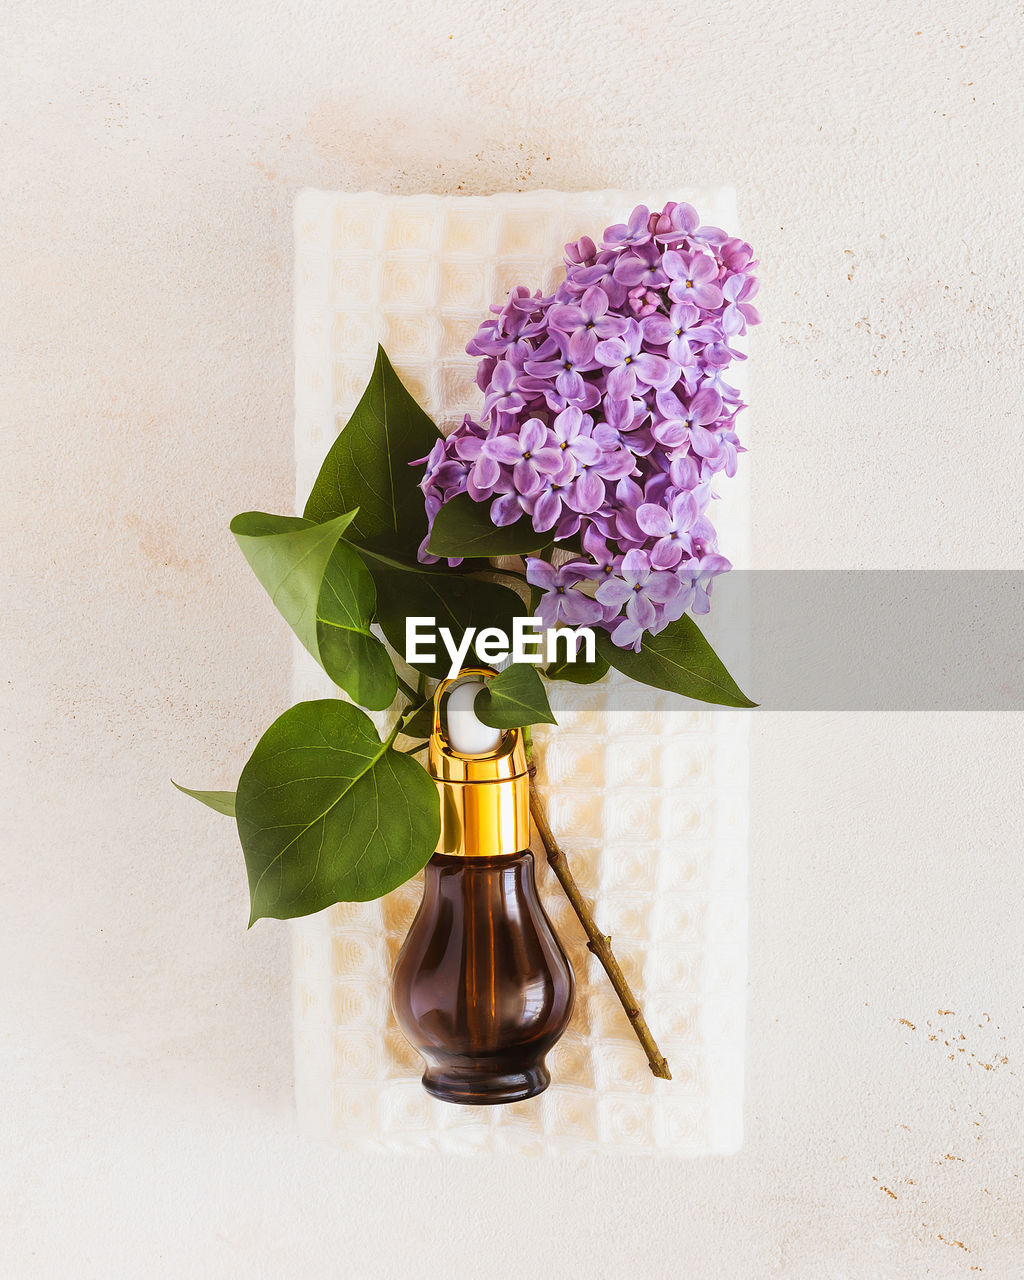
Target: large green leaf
325, 594
368, 467
455, 600
289, 555
678, 659
221, 801
513, 698
353, 657
464, 528
328, 813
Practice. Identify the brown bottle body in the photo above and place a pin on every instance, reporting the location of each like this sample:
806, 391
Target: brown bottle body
482, 988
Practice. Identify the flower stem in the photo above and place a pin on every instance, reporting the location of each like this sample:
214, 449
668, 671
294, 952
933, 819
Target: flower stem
599, 943
409, 692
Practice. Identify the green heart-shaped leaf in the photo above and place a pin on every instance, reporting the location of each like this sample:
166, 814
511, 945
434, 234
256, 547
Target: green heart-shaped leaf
455, 600
328, 813
368, 467
678, 659
326, 595
513, 698
464, 528
221, 801
289, 555
350, 654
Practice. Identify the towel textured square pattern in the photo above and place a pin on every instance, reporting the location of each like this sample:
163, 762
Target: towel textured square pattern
651, 804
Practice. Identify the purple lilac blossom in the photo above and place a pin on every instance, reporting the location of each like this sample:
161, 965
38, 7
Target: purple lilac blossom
642, 594
607, 418
561, 602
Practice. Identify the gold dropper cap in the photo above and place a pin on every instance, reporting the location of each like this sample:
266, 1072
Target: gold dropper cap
485, 798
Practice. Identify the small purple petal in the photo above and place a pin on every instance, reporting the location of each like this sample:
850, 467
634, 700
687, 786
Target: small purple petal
640, 610
655, 371
504, 449
661, 587
614, 591
654, 520
506, 510
540, 573
628, 635
622, 382
546, 510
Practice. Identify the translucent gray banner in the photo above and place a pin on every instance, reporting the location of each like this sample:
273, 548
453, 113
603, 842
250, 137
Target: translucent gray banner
872, 640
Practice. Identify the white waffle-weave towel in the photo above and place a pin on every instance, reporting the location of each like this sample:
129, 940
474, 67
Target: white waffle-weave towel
651, 805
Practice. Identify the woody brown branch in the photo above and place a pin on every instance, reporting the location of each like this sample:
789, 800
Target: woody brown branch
598, 943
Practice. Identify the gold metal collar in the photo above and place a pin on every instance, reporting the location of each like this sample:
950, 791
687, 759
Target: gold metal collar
485, 799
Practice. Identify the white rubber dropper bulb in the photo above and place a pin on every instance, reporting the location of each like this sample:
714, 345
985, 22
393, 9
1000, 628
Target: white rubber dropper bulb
467, 733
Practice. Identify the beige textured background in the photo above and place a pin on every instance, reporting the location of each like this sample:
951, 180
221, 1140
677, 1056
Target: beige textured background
149, 156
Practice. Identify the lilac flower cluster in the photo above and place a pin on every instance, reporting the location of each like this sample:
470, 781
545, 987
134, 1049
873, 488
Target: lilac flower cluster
606, 417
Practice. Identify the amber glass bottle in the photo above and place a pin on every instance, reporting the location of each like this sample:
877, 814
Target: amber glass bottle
481, 988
